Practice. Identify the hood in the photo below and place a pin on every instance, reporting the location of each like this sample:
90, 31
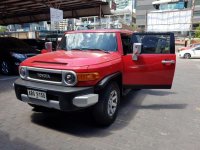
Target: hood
186, 51
70, 59
185, 48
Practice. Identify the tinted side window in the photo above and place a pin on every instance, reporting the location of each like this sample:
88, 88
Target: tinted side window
126, 43
154, 43
198, 48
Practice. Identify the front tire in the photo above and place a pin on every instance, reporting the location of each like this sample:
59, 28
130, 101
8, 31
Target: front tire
187, 56
106, 110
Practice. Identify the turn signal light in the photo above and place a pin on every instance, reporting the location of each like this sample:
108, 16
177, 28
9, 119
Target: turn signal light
88, 76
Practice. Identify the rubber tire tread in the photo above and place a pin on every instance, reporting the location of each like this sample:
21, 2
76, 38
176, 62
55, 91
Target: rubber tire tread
100, 113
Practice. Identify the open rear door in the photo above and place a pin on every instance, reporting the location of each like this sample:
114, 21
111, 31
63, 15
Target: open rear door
155, 65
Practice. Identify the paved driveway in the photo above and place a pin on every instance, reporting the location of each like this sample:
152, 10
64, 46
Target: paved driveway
148, 120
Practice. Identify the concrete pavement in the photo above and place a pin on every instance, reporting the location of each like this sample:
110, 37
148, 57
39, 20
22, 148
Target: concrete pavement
148, 119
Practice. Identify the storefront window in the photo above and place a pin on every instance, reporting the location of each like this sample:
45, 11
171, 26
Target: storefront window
179, 5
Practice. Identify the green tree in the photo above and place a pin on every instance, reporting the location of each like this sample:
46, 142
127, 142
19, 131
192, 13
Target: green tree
197, 32
2, 28
133, 26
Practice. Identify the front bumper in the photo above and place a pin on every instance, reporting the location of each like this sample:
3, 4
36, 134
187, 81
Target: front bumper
181, 55
58, 97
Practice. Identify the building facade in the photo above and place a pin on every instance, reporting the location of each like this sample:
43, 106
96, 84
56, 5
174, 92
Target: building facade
123, 15
143, 7
121, 4
196, 16
29, 26
108, 21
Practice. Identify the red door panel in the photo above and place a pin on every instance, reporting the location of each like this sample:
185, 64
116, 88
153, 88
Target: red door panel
155, 66
149, 71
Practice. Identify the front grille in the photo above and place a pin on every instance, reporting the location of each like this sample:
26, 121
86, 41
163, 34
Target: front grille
50, 76
45, 76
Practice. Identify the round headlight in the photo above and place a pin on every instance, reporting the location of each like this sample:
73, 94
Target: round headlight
70, 79
22, 72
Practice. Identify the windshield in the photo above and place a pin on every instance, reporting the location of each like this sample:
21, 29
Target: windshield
89, 41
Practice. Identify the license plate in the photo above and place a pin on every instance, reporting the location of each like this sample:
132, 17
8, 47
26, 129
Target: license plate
37, 95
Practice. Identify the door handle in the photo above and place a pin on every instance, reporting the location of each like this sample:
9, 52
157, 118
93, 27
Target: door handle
168, 61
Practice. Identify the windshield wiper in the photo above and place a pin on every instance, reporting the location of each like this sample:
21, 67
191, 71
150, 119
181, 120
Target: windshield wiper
77, 49
61, 48
96, 49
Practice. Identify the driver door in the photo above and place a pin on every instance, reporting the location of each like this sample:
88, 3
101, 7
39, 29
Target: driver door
155, 66
197, 52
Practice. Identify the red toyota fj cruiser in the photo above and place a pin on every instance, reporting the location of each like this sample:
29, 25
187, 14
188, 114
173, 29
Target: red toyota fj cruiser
93, 68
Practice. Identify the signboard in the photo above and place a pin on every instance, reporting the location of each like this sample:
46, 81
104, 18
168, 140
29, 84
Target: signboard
56, 15
159, 21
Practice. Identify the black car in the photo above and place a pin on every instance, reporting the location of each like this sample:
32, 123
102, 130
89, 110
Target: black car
12, 52
37, 44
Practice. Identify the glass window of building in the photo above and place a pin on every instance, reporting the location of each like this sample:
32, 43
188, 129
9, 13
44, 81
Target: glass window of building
128, 18
91, 19
84, 19
172, 6
197, 13
97, 19
197, 2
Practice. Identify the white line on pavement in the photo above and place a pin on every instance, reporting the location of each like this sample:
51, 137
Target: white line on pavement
8, 78
198, 60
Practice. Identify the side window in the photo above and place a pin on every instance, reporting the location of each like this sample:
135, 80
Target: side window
126, 43
154, 43
197, 48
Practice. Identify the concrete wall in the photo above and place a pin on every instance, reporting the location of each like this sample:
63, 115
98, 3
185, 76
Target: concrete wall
23, 35
196, 17
142, 6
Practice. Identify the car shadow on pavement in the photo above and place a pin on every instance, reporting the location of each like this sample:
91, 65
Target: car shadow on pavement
74, 123
81, 123
159, 92
162, 106
17, 143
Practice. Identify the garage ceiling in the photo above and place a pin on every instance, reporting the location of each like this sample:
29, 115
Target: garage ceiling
21, 11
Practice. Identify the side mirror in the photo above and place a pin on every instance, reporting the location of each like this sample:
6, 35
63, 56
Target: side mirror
44, 51
48, 46
137, 49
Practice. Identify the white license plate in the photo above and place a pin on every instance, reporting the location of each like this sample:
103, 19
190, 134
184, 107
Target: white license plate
37, 95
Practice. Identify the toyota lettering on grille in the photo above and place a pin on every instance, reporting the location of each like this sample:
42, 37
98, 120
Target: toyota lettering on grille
43, 76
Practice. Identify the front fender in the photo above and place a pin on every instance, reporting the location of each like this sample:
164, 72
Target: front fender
106, 80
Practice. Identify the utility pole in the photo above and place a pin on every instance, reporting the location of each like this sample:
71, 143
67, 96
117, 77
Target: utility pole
190, 32
132, 13
100, 14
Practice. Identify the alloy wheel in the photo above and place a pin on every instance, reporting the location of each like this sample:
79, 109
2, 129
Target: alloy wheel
112, 103
4, 67
187, 56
